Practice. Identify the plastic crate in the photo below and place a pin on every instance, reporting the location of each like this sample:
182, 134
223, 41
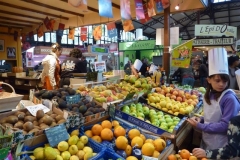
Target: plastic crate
106, 155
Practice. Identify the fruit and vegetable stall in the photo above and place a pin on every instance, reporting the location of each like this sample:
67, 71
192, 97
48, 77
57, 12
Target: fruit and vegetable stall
131, 119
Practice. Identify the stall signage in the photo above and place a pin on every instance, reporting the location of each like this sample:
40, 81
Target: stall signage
47, 50
216, 30
213, 42
137, 45
95, 49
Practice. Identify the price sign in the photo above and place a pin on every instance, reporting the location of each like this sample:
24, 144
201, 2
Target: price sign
73, 99
56, 135
33, 109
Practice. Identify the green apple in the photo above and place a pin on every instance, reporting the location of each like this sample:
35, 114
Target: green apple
172, 127
126, 111
147, 121
160, 113
175, 122
167, 116
139, 114
160, 116
154, 116
168, 119
132, 105
140, 118
146, 111
162, 120
152, 110
170, 124
176, 119
164, 124
133, 109
170, 130
133, 114
139, 110
126, 107
156, 123
139, 105
164, 127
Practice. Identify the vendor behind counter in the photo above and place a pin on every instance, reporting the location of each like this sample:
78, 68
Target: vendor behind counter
70, 65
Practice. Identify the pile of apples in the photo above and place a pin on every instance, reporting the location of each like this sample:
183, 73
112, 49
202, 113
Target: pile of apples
129, 144
173, 101
183, 154
156, 118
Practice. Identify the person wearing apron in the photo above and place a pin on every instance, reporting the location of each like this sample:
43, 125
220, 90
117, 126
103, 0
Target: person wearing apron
231, 150
50, 76
220, 103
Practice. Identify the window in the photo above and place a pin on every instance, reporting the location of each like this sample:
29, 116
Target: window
41, 39
47, 37
53, 37
35, 37
64, 39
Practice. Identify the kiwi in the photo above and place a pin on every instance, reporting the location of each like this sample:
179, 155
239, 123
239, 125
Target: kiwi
53, 116
61, 121
20, 115
35, 123
24, 132
40, 121
39, 114
59, 117
19, 125
44, 127
34, 130
49, 113
53, 124
12, 119
28, 113
3, 120
29, 119
28, 126
47, 120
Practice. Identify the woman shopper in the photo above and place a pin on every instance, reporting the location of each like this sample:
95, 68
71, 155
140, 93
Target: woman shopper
219, 104
51, 68
231, 150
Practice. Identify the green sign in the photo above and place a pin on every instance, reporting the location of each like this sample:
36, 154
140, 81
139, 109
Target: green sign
137, 45
99, 49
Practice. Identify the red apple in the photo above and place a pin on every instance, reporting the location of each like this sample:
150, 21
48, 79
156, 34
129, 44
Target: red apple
173, 97
175, 93
179, 99
168, 95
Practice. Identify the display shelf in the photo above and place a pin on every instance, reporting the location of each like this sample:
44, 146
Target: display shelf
183, 133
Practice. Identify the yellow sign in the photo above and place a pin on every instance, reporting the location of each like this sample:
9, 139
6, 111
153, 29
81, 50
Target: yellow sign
182, 54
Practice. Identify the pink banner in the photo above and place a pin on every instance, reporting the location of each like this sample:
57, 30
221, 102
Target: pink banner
139, 9
83, 33
125, 9
151, 8
147, 18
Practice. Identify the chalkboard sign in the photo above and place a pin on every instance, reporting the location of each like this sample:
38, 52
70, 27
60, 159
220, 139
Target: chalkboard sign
73, 99
56, 135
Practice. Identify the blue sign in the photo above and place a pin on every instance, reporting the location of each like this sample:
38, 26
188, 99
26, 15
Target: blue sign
112, 33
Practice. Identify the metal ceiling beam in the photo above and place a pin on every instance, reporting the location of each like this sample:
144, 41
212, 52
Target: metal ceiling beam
52, 7
152, 23
220, 17
211, 14
180, 24
32, 10
143, 24
20, 15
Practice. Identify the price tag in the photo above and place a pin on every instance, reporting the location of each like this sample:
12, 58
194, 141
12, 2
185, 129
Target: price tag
73, 99
33, 109
56, 135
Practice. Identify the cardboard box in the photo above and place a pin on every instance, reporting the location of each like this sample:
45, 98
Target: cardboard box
17, 75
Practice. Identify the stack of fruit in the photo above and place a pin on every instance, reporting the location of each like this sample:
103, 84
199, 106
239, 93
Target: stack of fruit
173, 101
75, 148
156, 118
184, 154
107, 73
134, 147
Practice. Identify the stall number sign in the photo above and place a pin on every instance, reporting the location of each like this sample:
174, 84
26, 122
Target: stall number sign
213, 42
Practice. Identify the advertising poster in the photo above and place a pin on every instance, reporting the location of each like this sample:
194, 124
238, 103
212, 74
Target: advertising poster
182, 54
81, 4
139, 9
83, 33
159, 6
147, 18
105, 8
151, 8
125, 9
112, 31
100, 66
71, 33
127, 25
97, 32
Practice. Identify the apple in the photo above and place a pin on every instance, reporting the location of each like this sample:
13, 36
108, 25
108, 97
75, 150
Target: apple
182, 111
170, 124
168, 94
164, 123
164, 127
175, 122
126, 107
139, 105
140, 118
155, 123
170, 130
133, 114
163, 104
139, 110
147, 121
133, 109
160, 116
175, 92
172, 127
146, 111
176, 119
175, 108
169, 106
165, 109
161, 120
160, 113
167, 116
126, 111
139, 114
173, 97
168, 119
179, 99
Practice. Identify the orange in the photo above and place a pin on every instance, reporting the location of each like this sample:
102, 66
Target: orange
128, 150
148, 149
156, 154
89, 133
172, 157
133, 133
107, 134
149, 141
131, 158
119, 131
137, 141
97, 139
204, 159
143, 138
192, 158
106, 124
115, 123
159, 144
185, 154
96, 129
121, 142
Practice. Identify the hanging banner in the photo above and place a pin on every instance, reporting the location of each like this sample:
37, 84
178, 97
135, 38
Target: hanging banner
105, 8
159, 6
147, 18
151, 8
181, 55
61, 27
125, 9
97, 32
81, 4
24, 38
40, 31
51, 24
83, 33
46, 22
139, 9
127, 25
112, 30
71, 33
165, 3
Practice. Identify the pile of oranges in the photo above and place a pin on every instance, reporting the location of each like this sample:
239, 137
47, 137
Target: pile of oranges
184, 154
109, 131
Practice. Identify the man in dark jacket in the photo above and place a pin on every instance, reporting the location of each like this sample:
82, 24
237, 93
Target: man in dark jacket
186, 74
233, 62
203, 73
70, 65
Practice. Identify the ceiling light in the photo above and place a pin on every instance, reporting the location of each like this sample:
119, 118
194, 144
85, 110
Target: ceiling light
177, 7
